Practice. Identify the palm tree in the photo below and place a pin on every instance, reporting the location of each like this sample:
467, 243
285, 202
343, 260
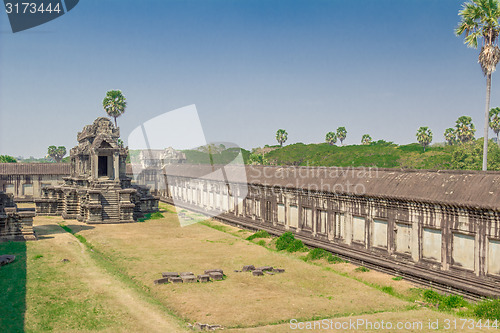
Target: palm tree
114, 104
341, 134
281, 136
424, 136
495, 122
450, 136
479, 19
366, 139
331, 138
57, 153
465, 129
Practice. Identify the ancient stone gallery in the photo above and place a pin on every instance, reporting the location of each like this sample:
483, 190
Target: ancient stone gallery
97, 189
439, 226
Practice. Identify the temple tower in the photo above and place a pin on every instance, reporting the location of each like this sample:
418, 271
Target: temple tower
98, 190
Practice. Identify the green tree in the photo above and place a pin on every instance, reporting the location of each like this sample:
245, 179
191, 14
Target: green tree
465, 129
469, 156
281, 136
331, 138
7, 159
114, 104
424, 136
341, 134
57, 153
366, 139
479, 20
450, 136
495, 122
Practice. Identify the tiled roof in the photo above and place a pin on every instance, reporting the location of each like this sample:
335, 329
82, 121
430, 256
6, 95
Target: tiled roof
462, 188
35, 168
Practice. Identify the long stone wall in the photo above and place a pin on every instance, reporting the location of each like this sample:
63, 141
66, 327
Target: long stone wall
25, 181
448, 243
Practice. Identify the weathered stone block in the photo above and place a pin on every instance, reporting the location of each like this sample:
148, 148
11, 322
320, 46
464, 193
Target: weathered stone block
169, 274
257, 273
204, 278
248, 268
175, 279
265, 268
161, 281
188, 278
278, 270
6, 259
214, 270
216, 275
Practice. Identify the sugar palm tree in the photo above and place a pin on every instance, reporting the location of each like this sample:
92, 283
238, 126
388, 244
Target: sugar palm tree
424, 136
479, 20
465, 129
366, 139
57, 153
281, 136
450, 135
114, 104
331, 138
495, 122
341, 134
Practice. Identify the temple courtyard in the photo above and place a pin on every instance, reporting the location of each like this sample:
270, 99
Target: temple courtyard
80, 277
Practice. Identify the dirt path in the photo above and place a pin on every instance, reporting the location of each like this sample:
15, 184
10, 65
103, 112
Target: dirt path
145, 317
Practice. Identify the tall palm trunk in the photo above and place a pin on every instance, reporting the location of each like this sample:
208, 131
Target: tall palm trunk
486, 122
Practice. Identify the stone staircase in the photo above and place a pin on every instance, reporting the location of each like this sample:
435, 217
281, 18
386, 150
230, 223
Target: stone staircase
110, 207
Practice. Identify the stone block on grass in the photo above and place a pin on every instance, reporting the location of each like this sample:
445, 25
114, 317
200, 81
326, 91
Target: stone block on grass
257, 273
216, 275
265, 268
214, 270
248, 268
161, 281
169, 274
175, 279
204, 278
188, 278
278, 270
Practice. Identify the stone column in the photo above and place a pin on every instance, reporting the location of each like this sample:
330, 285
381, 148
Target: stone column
93, 163
116, 166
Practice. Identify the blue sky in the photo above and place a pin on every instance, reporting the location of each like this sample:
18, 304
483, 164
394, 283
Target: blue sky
379, 67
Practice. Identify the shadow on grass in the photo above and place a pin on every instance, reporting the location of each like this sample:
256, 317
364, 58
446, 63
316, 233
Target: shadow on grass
13, 288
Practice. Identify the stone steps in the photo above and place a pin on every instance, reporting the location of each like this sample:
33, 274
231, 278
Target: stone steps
110, 207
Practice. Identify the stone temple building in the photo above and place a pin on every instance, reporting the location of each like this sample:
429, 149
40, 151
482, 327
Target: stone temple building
15, 224
97, 189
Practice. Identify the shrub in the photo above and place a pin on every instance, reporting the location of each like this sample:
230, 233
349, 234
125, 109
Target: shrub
261, 242
454, 301
295, 245
284, 241
156, 216
488, 309
259, 234
316, 254
389, 290
397, 278
335, 259
362, 269
432, 296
